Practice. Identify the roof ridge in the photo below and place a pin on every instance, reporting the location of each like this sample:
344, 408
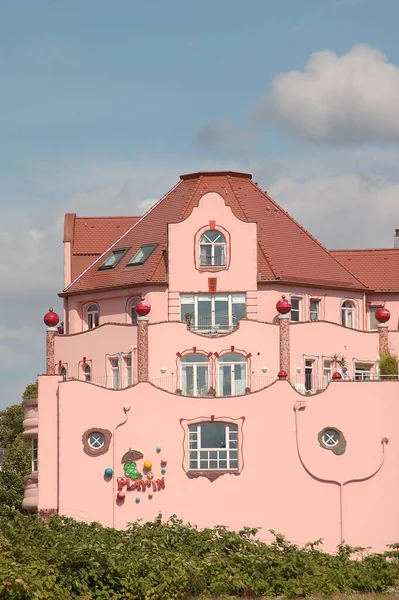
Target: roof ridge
365, 250
110, 217
307, 233
122, 236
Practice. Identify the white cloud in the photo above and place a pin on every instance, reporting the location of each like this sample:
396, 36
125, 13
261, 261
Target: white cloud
348, 211
339, 99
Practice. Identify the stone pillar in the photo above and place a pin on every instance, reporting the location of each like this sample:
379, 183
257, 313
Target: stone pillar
383, 338
284, 324
50, 350
142, 348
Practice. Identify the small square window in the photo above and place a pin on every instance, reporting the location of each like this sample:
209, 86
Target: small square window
314, 310
142, 254
112, 260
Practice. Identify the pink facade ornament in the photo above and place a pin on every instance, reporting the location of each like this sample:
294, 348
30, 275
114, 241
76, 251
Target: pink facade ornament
284, 338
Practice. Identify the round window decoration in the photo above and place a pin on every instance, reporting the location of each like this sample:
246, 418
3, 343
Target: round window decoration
96, 440
331, 438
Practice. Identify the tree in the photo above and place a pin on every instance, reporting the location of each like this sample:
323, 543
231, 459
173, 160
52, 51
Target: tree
17, 451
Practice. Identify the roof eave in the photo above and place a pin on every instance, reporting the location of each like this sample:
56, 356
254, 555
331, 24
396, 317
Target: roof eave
333, 286
111, 288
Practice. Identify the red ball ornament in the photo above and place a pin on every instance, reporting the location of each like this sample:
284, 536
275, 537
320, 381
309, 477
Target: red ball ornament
282, 374
120, 495
142, 308
51, 318
283, 306
382, 314
336, 375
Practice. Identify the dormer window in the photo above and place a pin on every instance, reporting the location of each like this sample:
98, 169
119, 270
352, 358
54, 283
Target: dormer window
212, 249
93, 316
142, 254
113, 259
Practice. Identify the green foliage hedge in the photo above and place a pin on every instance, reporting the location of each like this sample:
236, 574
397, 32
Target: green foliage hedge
67, 560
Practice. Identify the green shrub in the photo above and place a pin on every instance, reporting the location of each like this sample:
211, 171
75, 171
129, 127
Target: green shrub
388, 365
170, 560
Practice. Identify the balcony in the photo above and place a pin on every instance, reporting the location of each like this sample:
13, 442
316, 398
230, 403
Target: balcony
212, 326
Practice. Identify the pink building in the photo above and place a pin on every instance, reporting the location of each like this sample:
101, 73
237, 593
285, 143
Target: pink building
218, 363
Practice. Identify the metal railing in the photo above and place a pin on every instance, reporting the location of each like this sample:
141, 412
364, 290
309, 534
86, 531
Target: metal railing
207, 325
108, 382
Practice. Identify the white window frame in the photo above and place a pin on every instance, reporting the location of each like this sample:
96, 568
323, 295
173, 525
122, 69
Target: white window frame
347, 311
299, 309
232, 364
92, 316
317, 302
327, 372
206, 458
128, 368
212, 244
371, 310
132, 312
35, 454
238, 298
363, 371
183, 378
310, 366
99, 437
114, 366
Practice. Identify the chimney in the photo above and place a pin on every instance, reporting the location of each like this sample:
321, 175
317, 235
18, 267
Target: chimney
396, 239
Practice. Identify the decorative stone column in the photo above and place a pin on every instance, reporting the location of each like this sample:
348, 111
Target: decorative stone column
51, 319
383, 315
284, 308
142, 309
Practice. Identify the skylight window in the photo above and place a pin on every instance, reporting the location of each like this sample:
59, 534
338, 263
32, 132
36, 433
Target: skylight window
113, 259
142, 254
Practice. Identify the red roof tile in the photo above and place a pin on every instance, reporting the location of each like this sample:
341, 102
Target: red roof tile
286, 251
378, 268
93, 235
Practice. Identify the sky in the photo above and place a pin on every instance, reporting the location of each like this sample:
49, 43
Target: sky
104, 104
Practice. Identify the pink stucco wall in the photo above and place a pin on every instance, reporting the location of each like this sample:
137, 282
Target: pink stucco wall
287, 482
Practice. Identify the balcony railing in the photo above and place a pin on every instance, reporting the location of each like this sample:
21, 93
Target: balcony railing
209, 326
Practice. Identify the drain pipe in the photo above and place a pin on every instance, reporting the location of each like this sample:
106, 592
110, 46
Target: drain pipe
126, 411
341, 484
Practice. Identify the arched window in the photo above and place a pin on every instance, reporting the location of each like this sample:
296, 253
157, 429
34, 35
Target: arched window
63, 372
232, 374
348, 314
87, 372
132, 311
93, 316
194, 374
212, 249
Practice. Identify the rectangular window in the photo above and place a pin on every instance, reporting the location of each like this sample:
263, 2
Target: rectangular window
35, 461
309, 384
363, 371
296, 309
327, 372
142, 254
213, 446
113, 259
373, 320
314, 310
128, 371
213, 312
114, 363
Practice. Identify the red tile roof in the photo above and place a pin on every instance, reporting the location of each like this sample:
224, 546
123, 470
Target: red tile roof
93, 235
378, 268
286, 251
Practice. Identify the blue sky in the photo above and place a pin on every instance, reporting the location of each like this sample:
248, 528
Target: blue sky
103, 104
